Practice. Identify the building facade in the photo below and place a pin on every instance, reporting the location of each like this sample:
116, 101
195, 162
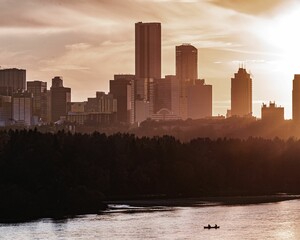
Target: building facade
296, 98
60, 99
122, 89
40, 106
241, 94
272, 114
12, 80
5, 110
22, 108
186, 73
148, 50
199, 104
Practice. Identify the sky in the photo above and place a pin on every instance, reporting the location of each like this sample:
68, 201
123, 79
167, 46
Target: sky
88, 41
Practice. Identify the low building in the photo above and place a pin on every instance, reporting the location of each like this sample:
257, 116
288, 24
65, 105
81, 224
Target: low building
22, 108
5, 110
199, 100
272, 114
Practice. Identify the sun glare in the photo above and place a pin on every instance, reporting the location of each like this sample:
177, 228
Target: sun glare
283, 33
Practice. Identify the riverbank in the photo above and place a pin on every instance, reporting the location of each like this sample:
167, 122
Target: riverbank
27, 216
205, 201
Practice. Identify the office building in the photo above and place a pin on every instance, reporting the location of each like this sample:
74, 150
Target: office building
78, 107
186, 63
147, 50
186, 73
102, 103
12, 80
122, 89
60, 99
241, 94
22, 108
39, 91
147, 65
296, 98
199, 100
162, 94
5, 110
272, 114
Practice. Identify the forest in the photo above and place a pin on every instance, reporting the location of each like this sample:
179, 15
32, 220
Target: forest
63, 174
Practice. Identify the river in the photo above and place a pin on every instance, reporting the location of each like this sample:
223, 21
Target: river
279, 220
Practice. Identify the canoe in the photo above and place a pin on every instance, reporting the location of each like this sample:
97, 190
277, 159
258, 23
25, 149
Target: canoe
207, 227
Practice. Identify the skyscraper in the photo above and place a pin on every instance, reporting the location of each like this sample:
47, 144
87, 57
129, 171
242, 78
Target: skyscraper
186, 73
186, 62
296, 98
241, 94
60, 99
147, 50
12, 80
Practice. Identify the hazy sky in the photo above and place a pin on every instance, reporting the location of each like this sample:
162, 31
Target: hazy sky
88, 41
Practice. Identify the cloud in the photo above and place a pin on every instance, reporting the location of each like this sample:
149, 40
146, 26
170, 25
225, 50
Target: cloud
254, 7
88, 41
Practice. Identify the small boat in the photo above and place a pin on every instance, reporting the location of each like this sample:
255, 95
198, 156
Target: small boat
209, 227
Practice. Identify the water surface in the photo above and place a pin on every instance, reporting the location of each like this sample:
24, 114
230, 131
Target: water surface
262, 221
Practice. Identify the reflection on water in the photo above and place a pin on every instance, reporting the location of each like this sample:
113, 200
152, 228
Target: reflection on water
264, 221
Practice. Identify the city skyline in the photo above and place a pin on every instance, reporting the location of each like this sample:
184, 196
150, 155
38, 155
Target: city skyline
48, 47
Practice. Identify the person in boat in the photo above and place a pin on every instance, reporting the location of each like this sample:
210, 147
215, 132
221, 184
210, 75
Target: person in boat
216, 225
209, 226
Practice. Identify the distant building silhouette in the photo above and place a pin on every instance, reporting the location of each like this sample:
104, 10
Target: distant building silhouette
199, 100
102, 103
241, 94
186, 62
12, 80
296, 98
78, 107
166, 96
122, 89
98, 111
272, 114
186, 73
162, 94
40, 106
148, 50
22, 108
147, 66
5, 110
60, 99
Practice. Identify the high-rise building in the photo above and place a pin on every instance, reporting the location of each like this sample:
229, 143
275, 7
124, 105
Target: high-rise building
186, 73
186, 62
241, 94
60, 99
296, 98
122, 89
12, 80
199, 100
22, 108
39, 91
148, 50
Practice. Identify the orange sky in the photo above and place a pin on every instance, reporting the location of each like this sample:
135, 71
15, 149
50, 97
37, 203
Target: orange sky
87, 41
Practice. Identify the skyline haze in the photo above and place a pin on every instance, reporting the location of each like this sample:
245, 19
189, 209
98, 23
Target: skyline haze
88, 42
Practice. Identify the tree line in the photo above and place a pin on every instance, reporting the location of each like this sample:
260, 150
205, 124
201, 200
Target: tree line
52, 175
